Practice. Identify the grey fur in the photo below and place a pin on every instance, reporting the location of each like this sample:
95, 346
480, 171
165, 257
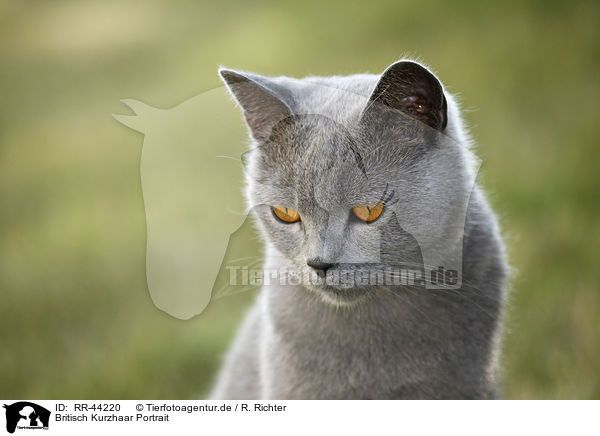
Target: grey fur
323, 146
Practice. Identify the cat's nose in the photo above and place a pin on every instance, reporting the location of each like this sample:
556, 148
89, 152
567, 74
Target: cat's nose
319, 265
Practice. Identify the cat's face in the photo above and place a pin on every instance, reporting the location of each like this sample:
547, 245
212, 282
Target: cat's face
342, 187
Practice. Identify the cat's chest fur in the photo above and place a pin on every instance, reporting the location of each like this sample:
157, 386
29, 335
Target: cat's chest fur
321, 359
405, 346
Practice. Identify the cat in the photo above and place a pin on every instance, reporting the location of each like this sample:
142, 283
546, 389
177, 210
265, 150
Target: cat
351, 174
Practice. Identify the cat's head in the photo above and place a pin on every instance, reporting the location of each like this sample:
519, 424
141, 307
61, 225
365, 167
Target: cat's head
348, 176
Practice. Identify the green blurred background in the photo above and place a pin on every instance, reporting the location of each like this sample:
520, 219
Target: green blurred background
76, 320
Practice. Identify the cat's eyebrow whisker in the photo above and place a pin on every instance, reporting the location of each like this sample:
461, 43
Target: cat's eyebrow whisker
387, 185
235, 212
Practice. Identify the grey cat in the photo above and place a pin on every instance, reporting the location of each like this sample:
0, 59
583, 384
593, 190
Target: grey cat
354, 174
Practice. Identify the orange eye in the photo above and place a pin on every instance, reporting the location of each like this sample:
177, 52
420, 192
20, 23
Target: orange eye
286, 214
368, 214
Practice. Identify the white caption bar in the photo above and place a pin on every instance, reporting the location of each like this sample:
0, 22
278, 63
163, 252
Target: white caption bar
300, 417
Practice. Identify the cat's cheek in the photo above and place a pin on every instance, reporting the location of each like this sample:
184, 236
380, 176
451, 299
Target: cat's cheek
287, 238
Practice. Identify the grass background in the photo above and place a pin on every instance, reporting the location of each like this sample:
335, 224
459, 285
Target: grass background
76, 320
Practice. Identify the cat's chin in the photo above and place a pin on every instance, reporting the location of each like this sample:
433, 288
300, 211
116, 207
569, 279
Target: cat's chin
340, 297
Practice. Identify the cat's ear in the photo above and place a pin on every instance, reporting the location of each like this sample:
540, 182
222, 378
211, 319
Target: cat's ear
412, 89
264, 103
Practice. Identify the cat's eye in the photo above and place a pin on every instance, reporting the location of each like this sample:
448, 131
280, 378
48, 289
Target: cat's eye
368, 214
286, 214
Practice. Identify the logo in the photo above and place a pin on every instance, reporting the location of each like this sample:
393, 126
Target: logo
26, 415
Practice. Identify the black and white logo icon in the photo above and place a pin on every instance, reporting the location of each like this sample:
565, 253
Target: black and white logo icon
26, 415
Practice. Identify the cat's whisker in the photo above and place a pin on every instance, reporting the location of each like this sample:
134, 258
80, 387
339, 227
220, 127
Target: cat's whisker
229, 157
